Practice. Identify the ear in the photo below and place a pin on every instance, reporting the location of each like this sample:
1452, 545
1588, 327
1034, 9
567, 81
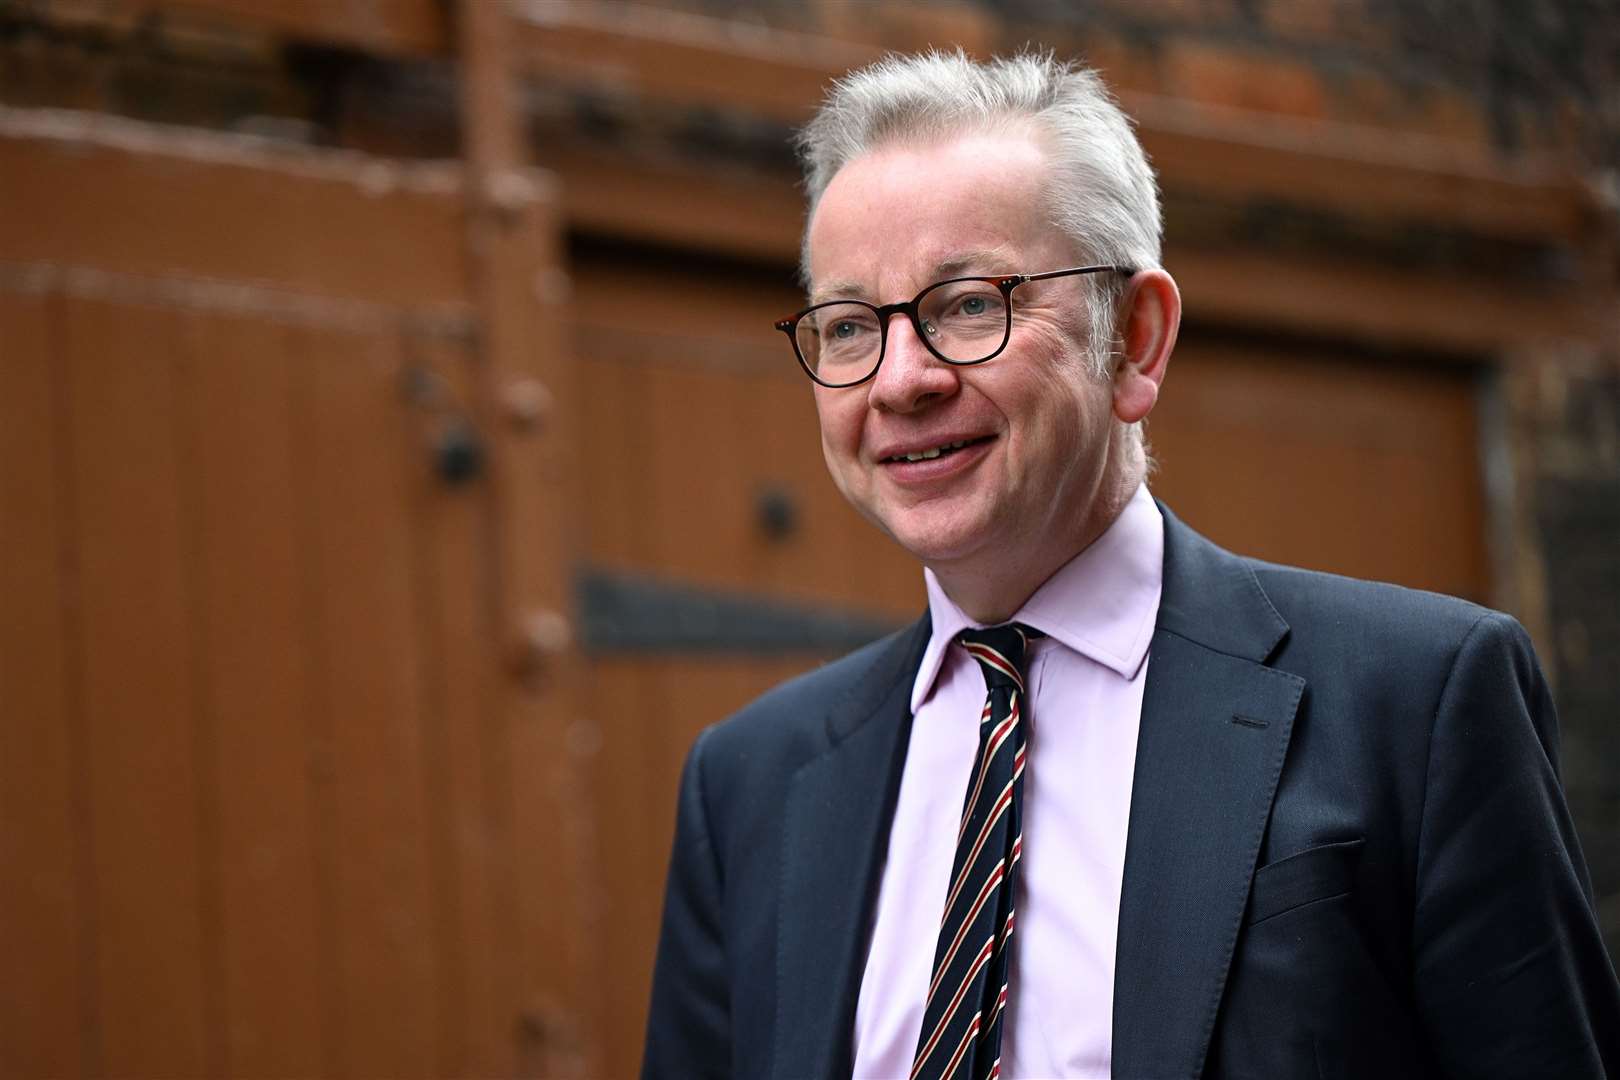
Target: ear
1150, 315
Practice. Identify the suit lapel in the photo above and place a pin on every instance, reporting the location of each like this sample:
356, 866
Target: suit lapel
835, 832
1215, 728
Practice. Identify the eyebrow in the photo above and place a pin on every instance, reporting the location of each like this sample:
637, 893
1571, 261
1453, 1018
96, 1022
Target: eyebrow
837, 290
973, 263
968, 263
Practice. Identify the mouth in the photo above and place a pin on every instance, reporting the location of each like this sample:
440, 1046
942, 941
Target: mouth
934, 452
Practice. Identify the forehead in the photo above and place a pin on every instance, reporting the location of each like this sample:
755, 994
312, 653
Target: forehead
900, 215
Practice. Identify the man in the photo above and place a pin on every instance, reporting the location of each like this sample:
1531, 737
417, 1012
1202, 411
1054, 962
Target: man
1176, 812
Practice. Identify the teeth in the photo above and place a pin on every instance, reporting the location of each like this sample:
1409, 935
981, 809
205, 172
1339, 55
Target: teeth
930, 455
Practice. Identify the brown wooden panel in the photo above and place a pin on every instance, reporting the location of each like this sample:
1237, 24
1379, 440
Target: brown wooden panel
697, 512
214, 206
472, 841
1362, 469
1327, 297
140, 692
314, 844
631, 756
370, 751
712, 444
1364, 171
535, 491
647, 712
699, 208
836, 553
239, 447
39, 881
697, 409
614, 453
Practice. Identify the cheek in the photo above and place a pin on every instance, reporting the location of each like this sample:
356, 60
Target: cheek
1064, 412
840, 422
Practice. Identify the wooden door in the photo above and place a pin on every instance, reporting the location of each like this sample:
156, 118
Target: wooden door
1309, 454
273, 800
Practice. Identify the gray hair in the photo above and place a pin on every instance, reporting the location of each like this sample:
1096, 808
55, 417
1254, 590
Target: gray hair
1102, 193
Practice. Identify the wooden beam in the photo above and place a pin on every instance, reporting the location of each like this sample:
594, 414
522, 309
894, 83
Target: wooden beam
527, 408
757, 217
114, 195
678, 204
682, 58
1363, 172
1444, 312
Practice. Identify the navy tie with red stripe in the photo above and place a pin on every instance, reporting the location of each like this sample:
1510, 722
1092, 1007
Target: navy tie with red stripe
967, 996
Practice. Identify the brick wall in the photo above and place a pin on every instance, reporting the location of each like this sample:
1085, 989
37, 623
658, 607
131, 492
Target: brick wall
1567, 433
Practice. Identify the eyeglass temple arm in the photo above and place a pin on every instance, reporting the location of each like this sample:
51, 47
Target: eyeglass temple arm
1126, 270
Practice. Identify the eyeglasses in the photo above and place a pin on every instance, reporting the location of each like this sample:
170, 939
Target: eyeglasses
962, 321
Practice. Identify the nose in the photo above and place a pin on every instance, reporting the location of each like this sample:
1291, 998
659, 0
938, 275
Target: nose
910, 377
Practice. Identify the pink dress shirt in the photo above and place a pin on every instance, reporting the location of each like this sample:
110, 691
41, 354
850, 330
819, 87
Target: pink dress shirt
1084, 703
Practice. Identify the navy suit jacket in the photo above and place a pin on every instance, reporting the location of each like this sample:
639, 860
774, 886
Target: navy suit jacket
1348, 855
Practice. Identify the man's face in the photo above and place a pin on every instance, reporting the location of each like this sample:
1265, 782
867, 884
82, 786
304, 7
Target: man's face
1036, 422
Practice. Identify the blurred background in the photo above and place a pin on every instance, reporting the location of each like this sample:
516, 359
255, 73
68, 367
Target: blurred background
398, 466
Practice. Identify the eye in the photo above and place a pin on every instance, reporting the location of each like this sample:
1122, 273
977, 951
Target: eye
843, 328
974, 305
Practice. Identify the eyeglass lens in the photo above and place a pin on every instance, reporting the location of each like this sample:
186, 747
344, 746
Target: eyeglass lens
964, 321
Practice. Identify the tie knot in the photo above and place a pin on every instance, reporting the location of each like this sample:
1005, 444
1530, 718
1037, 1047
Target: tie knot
1000, 652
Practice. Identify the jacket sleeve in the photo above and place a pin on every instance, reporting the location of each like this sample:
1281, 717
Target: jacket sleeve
689, 1024
1510, 971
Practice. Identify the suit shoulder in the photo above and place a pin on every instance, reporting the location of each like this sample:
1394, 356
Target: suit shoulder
1378, 619
1316, 595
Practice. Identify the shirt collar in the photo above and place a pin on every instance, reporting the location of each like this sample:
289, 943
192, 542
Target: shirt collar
1102, 603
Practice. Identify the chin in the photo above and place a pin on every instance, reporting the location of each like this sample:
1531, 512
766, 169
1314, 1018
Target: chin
932, 543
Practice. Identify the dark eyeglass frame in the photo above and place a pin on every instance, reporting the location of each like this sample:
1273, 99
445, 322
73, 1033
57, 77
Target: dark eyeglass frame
1006, 283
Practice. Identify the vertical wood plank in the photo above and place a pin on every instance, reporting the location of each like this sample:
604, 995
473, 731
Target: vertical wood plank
464, 747
512, 237
697, 474
536, 487
39, 882
204, 721
787, 458
612, 459
372, 757
139, 691
319, 722
649, 710
624, 704
240, 431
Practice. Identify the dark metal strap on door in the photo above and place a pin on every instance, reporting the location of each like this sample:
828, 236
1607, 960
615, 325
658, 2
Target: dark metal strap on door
621, 612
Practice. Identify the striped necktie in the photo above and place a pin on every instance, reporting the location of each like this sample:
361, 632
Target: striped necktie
961, 1031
